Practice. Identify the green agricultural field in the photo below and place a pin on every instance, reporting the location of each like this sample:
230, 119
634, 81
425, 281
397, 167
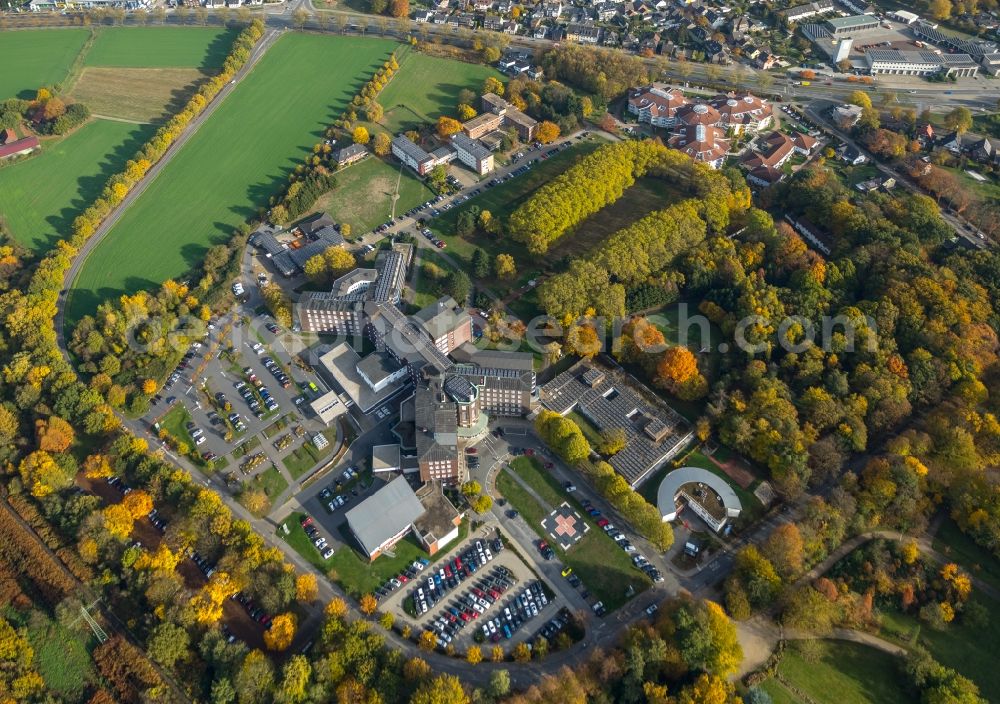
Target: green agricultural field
846, 673
427, 87
235, 162
37, 57
161, 47
364, 192
44, 193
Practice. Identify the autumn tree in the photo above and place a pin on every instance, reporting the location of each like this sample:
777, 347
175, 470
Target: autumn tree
368, 604
447, 126
494, 85
505, 267
860, 98
399, 8
959, 120
97, 467
465, 112
54, 434
382, 144
443, 689
43, 475
279, 636
474, 655
118, 521
306, 589
360, 135
547, 132
784, 548
138, 503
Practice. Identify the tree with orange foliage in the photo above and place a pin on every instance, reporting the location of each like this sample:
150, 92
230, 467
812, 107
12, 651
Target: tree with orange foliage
54, 434
399, 8
368, 604
677, 366
149, 387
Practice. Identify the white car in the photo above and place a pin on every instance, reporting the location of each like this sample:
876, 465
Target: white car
328, 554
238, 288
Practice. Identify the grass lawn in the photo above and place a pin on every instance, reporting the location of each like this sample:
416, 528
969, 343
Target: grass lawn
847, 673
61, 656
161, 47
307, 455
427, 87
605, 569
231, 166
980, 562
358, 576
44, 193
501, 200
32, 58
364, 192
174, 422
271, 482
300, 542
970, 651
589, 430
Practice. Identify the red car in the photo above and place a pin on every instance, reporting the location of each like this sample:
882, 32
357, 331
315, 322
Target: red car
550, 465
529, 452
601, 522
307, 521
403, 578
471, 450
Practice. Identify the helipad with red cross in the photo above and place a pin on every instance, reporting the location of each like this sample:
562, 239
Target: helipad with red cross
565, 526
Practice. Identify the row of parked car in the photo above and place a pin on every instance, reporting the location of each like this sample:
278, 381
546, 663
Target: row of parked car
522, 608
471, 605
319, 541
255, 612
453, 573
277, 372
178, 371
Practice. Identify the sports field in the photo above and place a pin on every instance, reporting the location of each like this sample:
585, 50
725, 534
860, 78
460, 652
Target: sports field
43, 194
231, 166
427, 87
161, 47
364, 193
37, 57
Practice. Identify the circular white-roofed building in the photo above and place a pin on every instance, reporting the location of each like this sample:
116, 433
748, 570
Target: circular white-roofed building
707, 494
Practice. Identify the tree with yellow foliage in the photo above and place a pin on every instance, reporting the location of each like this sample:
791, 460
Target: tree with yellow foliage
207, 603
505, 266
493, 85
465, 112
474, 655
118, 521
138, 503
547, 132
162, 559
521, 653
497, 654
427, 640
42, 475
306, 589
368, 604
360, 135
443, 689
336, 608
279, 636
97, 467
447, 126
149, 387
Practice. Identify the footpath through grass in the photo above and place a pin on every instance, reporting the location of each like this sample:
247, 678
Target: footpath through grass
42, 194
846, 673
604, 568
230, 167
32, 58
161, 47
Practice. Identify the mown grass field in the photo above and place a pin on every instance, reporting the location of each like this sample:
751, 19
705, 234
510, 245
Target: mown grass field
364, 192
231, 166
427, 87
161, 47
43, 194
37, 57
846, 673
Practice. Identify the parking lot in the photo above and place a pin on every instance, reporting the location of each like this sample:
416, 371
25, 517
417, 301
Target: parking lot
239, 403
478, 585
